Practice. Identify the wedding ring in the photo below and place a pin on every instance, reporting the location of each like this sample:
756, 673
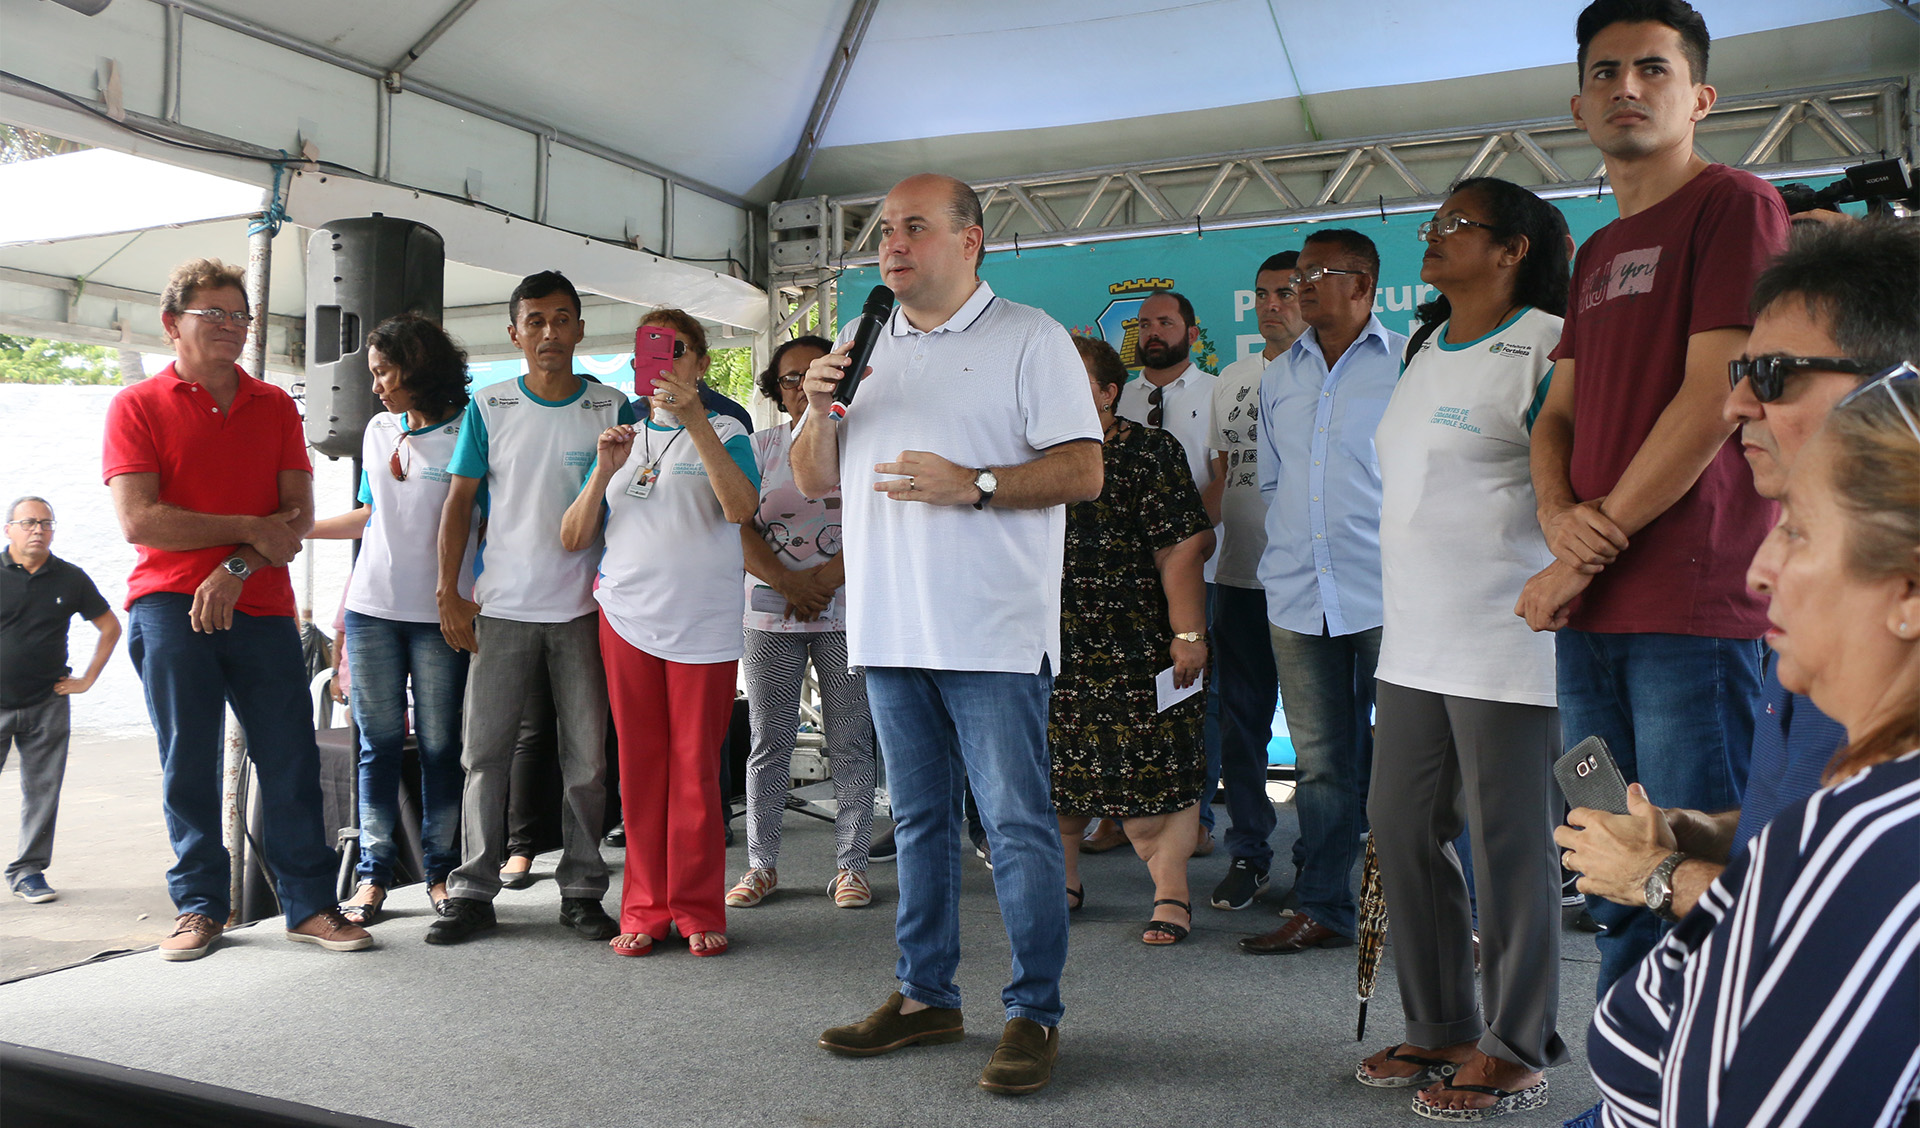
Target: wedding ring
911, 484
671, 398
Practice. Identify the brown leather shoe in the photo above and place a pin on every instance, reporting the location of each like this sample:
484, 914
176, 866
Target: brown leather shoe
331, 931
1203, 844
886, 1030
193, 937
1110, 836
1297, 933
1023, 1062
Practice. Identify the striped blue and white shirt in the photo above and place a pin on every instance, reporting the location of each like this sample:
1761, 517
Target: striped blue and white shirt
1791, 994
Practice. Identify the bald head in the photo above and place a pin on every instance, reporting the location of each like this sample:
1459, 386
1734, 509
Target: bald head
963, 203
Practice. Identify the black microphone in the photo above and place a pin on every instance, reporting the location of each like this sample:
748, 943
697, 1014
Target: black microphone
873, 318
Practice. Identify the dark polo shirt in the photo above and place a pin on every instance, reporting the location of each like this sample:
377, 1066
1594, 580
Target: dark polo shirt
34, 609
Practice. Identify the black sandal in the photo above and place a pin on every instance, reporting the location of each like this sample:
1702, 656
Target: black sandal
1078, 898
1431, 1070
364, 915
1178, 932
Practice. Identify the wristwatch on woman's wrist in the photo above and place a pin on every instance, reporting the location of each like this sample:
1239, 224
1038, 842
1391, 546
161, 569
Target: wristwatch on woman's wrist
1191, 636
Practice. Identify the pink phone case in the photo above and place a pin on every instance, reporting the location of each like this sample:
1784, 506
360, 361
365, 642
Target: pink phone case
652, 351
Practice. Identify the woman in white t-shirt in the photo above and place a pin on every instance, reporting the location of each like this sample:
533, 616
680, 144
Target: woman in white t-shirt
1466, 729
392, 616
796, 613
670, 490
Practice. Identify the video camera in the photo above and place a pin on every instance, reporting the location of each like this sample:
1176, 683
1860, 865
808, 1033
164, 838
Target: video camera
1886, 186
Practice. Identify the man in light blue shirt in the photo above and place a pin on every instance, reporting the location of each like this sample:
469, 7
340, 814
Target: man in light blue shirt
1320, 402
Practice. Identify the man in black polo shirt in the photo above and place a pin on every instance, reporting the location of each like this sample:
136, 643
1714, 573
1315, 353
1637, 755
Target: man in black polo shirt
39, 592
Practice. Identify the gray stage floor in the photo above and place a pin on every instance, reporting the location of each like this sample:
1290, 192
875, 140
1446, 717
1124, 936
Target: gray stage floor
530, 1025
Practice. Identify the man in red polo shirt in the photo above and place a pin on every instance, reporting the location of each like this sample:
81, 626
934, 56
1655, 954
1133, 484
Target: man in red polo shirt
210, 479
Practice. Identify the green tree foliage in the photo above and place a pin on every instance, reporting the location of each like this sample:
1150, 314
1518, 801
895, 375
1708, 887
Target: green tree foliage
731, 373
29, 360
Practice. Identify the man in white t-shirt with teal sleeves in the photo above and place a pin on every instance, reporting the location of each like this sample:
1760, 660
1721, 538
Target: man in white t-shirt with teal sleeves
525, 449
1245, 681
970, 433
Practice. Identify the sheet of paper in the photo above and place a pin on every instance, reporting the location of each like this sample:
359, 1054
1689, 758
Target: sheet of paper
1167, 695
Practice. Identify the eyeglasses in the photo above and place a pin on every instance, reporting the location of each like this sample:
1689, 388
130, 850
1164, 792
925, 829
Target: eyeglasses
1769, 373
219, 316
35, 523
1314, 274
1899, 373
1441, 228
394, 467
792, 381
1159, 412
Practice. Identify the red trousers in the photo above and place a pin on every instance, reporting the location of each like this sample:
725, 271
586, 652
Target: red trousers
671, 718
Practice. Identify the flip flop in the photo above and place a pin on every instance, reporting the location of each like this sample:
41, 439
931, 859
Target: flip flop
620, 949
710, 950
1431, 1070
1078, 898
1505, 1101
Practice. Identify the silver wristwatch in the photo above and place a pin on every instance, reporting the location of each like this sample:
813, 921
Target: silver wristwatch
986, 483
236, 566
1659, 887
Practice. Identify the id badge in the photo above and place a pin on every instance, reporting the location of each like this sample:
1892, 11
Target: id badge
643, 482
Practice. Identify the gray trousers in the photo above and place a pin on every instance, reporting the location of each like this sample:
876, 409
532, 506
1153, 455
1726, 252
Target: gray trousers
776, 663
41, 733
1440, 762
498, 682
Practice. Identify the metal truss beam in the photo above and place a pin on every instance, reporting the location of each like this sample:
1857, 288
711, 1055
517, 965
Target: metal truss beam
1806, 132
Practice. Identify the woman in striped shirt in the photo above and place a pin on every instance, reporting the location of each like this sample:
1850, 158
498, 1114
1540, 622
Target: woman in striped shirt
1791, 994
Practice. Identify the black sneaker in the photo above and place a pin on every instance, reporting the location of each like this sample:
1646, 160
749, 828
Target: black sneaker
461, 918
585, 916
1243, 883
616, 838
884, 848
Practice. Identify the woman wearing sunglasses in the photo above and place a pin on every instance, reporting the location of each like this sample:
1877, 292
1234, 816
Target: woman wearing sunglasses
670, 490
392, 617
796, 613
1467, 731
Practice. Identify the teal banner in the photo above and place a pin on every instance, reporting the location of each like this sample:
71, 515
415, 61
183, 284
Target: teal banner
1097, 288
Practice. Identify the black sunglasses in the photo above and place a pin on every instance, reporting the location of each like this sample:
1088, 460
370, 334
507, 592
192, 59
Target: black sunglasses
1769, 373
1158, 413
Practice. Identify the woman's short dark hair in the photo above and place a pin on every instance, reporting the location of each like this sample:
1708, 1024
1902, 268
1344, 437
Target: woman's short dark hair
1543, 278
769, 378
1103, 363
433, 369
684, 325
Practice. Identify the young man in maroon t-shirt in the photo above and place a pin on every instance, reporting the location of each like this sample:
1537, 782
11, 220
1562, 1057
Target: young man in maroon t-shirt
1647, 505
210, 479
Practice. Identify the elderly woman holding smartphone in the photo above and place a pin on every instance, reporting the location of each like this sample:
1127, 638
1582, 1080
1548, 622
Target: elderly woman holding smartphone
671, 491
1787, 995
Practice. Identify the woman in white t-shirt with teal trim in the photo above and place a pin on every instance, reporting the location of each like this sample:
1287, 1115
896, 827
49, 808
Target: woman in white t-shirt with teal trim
392, 617
671, 490
1466, 730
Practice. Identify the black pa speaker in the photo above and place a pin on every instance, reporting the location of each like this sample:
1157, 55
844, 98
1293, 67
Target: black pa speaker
359, 273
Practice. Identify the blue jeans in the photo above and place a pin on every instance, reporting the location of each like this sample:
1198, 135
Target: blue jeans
939, 729
387, 653
1210, 731
1248, 689
189, 679
1677, 713
1326, 687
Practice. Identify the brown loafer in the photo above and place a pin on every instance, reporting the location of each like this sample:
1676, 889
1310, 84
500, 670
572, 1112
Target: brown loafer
1023, 1062
886, 1030
331, 931
193, 937
1297, 933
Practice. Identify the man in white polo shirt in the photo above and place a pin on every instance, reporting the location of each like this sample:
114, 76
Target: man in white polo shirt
530, 441
972, 430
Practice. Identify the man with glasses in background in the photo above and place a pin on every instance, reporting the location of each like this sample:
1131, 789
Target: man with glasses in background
1320, 403
1842, 304
39, 593
210, 478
